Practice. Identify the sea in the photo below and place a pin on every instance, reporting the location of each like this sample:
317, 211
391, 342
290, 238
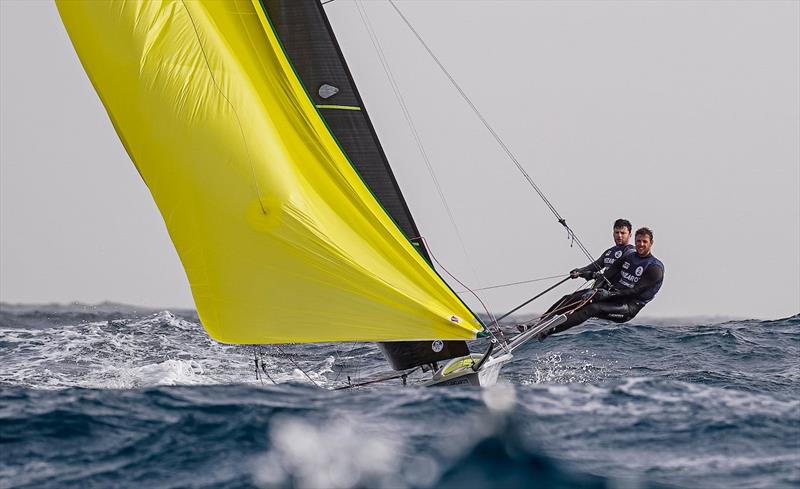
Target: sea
117, 396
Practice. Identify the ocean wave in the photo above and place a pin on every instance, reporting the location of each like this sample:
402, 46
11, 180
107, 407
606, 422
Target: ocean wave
114, 396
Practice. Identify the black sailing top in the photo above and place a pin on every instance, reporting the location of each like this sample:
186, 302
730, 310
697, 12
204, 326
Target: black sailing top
637, 277
606, 260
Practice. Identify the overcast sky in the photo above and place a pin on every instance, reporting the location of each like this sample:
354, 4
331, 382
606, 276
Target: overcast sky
682, 116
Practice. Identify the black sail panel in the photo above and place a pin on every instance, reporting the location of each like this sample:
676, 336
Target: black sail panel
310, 44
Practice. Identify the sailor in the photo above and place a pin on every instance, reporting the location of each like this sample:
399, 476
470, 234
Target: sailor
622, 247
622, 236
637, 278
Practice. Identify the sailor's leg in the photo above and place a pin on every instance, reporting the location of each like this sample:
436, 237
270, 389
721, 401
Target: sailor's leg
573, 319
619, 312
560, 306
567, 302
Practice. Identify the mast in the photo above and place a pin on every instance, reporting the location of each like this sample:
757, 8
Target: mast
309, 42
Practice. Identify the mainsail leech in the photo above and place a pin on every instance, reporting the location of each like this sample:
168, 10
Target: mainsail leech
280, 238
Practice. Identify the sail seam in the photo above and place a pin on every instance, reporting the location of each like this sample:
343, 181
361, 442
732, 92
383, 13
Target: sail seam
230, 104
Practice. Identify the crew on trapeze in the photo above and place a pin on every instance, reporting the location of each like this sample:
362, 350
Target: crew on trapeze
622, 236
630, 280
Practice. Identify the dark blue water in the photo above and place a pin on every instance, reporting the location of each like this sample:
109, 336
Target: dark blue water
112, 396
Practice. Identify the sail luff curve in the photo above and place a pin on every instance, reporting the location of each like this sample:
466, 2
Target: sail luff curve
280, 239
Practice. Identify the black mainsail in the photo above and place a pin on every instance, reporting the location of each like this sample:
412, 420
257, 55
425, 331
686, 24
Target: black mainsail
309, 42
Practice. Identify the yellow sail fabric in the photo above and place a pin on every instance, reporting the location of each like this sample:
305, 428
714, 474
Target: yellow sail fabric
279, 237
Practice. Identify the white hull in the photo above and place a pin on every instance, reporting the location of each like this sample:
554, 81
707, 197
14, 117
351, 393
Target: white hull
462, 370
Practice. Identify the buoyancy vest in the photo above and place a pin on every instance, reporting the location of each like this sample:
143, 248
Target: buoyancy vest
631, 270
613, 254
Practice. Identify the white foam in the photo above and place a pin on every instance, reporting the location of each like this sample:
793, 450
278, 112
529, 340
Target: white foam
655, 397
554, 368
159, 349
339, 453
703, 464
500, 397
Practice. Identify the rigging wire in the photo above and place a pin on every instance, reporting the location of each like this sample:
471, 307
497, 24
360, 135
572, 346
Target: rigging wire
255, 360
509, 284
533, 298
404, 375
336, 362
486, 309
264, 367
339, 355
362, 11
561, 220
298, 367
258, 358
570, 233
559, 307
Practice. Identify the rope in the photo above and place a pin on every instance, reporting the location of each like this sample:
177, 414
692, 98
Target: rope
338, 355
509, 284
568, 308
264, 369
258, 358
403, 376
255, 360
362, 11
570, 233
298, 367
486, 309
533, 298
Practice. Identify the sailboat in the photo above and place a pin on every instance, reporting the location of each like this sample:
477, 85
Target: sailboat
245, 123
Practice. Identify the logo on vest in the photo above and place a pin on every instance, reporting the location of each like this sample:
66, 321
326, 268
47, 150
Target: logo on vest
639, 271
626, 265
617, 254
437, 346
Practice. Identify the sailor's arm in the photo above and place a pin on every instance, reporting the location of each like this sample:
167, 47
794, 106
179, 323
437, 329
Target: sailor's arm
589, 270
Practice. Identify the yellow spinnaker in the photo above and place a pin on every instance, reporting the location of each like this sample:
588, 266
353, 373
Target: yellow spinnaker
279, 237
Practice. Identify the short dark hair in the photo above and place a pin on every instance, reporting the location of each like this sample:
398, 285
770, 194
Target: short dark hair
647, 231
623, 223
